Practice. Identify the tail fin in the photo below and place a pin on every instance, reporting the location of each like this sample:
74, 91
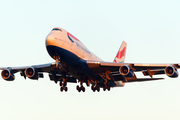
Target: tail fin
120, 57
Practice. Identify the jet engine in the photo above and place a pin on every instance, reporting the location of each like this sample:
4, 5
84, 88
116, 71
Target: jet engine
7, 75
31, 73
126, 71
171, 71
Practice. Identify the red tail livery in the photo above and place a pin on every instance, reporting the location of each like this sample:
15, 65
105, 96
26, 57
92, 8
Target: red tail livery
120, 57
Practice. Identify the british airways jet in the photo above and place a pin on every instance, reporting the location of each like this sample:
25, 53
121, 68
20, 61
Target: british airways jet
74, 63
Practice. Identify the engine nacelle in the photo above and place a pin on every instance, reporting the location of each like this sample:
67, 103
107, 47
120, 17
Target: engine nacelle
126, 71
171, 71
31, 73
7, 75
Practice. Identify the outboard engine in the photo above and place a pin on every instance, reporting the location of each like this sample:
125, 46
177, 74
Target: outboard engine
171, 71
7, 75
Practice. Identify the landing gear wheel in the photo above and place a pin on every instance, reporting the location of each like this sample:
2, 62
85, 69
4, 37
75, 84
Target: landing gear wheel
79, 90
77, 87
98, 89
83, 89
60, 83
65, 88
104, 88
92, 87
108, 88
61, 89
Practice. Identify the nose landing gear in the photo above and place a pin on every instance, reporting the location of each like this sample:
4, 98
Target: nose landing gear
57, 66
63, 82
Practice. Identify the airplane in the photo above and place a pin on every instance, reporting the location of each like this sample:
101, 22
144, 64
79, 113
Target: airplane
74, 63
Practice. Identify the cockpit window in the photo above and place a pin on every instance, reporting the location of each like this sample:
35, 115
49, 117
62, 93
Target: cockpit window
56, 29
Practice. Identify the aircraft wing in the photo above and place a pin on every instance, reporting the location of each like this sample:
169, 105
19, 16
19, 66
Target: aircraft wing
36, 72
41, 68
112, 71
125, 71
103, 66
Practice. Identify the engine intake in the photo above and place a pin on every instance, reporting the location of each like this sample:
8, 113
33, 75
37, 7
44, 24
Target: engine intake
7, 75
126, 71
31, 73
171, 71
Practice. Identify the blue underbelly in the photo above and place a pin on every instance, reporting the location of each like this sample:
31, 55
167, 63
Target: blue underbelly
65, 55
74, 65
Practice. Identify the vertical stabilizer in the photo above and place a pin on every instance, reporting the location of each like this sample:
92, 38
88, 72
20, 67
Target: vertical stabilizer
120, 57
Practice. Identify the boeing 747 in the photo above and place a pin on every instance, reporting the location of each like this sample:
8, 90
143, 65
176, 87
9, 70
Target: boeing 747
74, 63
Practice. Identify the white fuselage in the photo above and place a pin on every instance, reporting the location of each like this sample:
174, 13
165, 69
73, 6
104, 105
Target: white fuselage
63, 39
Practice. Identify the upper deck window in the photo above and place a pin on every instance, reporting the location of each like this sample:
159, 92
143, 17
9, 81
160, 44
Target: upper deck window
56, 29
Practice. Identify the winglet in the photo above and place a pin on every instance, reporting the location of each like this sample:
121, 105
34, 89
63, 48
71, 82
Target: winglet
120, 57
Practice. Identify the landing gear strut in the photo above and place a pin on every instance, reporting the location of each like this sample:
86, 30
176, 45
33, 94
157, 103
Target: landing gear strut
57, 66
63, 81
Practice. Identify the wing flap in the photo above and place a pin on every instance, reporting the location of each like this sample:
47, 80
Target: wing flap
144, 79
58, 77
119, 77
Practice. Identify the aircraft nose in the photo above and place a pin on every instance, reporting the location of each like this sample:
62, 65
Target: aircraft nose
49, 40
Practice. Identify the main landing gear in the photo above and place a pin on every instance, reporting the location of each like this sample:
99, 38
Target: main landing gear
94, 88
97, 88
106, 86
63, 85
81, 87
107, 76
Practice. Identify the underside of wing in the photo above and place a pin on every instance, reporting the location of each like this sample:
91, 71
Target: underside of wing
35, 72
126, 71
